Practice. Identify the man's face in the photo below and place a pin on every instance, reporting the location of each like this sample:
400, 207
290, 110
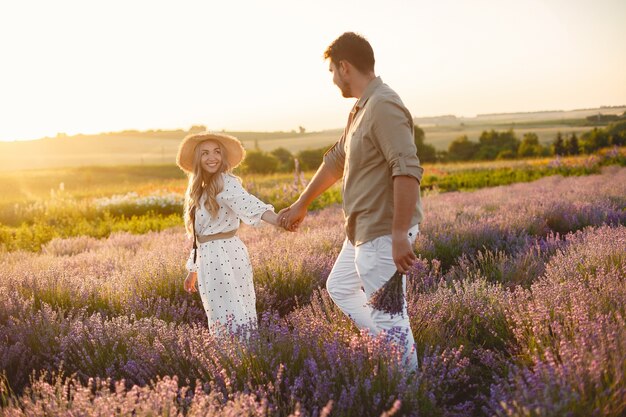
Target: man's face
339, 79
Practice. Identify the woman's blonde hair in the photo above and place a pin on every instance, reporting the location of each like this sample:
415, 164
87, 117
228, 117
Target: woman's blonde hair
201, 182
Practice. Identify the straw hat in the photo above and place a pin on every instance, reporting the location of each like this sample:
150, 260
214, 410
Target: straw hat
234, 149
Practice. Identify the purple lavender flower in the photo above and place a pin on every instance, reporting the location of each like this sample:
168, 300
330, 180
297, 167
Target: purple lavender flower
390, 297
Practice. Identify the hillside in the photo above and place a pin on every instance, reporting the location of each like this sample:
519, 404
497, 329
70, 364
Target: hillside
160, 146
135, 148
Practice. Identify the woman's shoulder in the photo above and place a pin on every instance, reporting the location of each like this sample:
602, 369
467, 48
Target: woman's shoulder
230, 178
231, 182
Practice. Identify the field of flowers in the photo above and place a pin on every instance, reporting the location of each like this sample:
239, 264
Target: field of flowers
37, 206
517, 304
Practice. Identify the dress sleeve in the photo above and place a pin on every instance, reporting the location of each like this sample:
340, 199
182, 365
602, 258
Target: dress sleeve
247, 207
393, 128
191, 266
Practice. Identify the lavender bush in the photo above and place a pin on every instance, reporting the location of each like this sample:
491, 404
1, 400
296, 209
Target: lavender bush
517, 304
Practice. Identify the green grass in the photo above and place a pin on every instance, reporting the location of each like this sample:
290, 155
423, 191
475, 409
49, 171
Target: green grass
36, 209
88, 182
481, 178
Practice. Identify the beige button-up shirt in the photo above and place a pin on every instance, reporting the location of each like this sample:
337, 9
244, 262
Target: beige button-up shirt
377, 145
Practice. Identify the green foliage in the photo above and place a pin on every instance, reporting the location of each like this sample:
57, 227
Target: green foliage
425, 153
285, 159
530, 146
33, 236
28, 225
311, 159
594, 140
462, 149
573, 147
260, 162
85, 182
475, 178
617, 133
506, 154
492, 143
613, 135
602, 118
505, 145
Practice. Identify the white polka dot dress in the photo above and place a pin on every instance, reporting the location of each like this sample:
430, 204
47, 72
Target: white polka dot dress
223, 266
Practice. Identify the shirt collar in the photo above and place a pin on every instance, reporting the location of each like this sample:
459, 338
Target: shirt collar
369, 90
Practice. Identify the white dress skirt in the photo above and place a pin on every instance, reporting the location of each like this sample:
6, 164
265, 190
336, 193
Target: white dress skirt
223, 266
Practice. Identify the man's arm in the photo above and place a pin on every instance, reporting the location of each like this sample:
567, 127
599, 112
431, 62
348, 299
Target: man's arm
405, 192
324, 178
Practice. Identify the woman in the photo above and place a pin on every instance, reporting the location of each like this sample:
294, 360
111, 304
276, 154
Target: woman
215, 203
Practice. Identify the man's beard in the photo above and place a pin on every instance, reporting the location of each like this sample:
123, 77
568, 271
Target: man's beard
346, 91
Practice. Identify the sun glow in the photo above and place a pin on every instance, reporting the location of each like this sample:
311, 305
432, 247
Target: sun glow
84, 67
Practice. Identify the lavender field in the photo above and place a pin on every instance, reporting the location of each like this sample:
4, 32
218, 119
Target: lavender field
517, 305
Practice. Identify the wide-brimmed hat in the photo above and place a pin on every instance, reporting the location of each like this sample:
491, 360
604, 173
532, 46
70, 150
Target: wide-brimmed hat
234, 149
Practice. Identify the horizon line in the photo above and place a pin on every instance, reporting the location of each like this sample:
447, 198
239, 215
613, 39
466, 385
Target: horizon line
477, 115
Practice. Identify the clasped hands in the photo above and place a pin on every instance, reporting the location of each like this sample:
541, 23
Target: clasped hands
290, 218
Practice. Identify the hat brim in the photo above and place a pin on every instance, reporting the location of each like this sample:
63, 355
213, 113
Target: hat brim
235, 153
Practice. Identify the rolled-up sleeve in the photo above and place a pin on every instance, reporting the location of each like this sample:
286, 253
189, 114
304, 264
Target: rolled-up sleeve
393, 135
335, 157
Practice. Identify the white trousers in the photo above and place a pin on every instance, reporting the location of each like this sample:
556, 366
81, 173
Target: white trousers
357, 274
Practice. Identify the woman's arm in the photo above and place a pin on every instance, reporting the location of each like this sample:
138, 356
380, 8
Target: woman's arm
270, 217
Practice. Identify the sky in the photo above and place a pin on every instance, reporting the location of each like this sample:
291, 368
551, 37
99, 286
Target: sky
100, 66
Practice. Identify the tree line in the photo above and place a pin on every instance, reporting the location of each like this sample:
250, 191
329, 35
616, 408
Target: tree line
506, 145
281, 160
491, 145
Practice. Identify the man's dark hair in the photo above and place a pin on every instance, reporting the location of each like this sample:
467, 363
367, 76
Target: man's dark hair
353, 48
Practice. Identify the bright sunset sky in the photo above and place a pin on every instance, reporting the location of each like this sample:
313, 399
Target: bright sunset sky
93, 66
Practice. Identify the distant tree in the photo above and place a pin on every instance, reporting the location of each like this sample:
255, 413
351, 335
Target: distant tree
573, 147
602, 118
462, 149
558, 145
425, 153
285, 159
491, 143
593, 140
529, 146
311, 158
418, 134
197, 129
260, 162
302, 130
617, 133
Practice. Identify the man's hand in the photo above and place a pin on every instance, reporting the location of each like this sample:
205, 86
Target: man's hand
402, 252
291, 217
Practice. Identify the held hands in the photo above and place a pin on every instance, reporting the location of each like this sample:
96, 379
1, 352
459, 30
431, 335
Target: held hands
274, 219
291, 217
190, 282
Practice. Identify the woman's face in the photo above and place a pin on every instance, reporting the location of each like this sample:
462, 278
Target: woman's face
210, 156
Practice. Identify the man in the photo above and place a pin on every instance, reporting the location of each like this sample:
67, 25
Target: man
376, 156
